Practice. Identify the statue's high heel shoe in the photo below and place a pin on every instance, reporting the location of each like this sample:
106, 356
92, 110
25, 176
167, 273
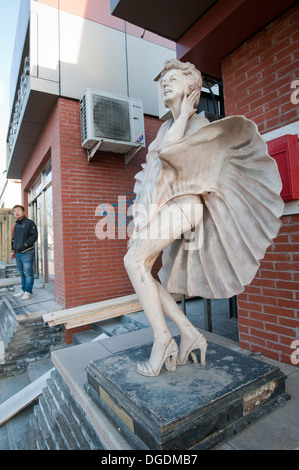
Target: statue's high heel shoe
199, 343
169, 358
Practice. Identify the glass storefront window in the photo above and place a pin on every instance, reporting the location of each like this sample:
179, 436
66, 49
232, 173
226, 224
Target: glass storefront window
48, 175
36, 188
41, 211
50, 235
39, 224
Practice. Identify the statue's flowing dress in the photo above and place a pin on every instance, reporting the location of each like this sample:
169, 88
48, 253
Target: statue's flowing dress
225, 164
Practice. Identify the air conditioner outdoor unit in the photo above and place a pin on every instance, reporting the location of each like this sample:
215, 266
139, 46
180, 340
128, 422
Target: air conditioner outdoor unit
111, 123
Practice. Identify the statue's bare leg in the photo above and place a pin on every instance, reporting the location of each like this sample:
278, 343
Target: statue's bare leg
190, 336
139, 261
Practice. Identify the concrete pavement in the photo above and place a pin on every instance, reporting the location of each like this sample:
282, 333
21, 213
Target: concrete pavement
276, 431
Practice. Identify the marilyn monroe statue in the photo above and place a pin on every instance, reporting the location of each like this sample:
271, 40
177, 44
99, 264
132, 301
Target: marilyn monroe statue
214, 191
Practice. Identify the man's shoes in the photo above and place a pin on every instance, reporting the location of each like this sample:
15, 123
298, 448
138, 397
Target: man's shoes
19, 294
26, 296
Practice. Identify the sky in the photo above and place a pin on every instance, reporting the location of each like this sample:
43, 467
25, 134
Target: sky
9, 11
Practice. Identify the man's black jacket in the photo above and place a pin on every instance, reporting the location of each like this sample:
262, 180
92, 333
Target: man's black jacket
25, 235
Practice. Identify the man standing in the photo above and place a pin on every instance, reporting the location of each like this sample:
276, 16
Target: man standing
24, 237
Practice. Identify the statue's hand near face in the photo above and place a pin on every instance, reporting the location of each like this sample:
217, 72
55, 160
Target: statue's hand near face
189, 104
185, 110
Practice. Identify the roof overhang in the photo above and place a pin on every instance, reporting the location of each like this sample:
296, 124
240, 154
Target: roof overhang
168, 18
37, 111
205, 30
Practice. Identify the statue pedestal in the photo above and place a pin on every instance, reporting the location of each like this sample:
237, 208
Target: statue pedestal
195, 407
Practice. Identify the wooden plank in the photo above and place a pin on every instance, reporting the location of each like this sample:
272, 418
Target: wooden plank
23, 398
98, 311
5, 210
112, 310
88, 308
101, 316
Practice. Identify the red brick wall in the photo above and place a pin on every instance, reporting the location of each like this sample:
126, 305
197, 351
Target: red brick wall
93, 268
86, 269
257, 76
48, 147
257, 81
269, 308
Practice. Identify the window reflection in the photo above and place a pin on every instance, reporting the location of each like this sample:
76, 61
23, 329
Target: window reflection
41, 211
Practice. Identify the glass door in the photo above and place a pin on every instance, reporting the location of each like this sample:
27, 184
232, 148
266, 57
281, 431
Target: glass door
41, 211
49, 241
39, 224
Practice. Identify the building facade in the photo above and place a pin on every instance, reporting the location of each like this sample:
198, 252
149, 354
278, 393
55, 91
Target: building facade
260, 79
252, 48
253, 60
62, 48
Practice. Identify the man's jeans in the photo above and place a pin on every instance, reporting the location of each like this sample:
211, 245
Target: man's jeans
25, 267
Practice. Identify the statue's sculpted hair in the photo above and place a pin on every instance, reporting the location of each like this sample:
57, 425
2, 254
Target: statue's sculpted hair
193, 75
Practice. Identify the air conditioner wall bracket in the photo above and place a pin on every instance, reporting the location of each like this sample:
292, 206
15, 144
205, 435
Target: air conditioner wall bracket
91, 152
129, 155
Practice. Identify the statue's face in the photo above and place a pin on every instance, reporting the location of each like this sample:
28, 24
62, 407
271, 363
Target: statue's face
174, 86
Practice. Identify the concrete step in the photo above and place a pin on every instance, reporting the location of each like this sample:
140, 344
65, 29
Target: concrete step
11, 270
112, 327
58, 423
8, 323
85, 337
25, 337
